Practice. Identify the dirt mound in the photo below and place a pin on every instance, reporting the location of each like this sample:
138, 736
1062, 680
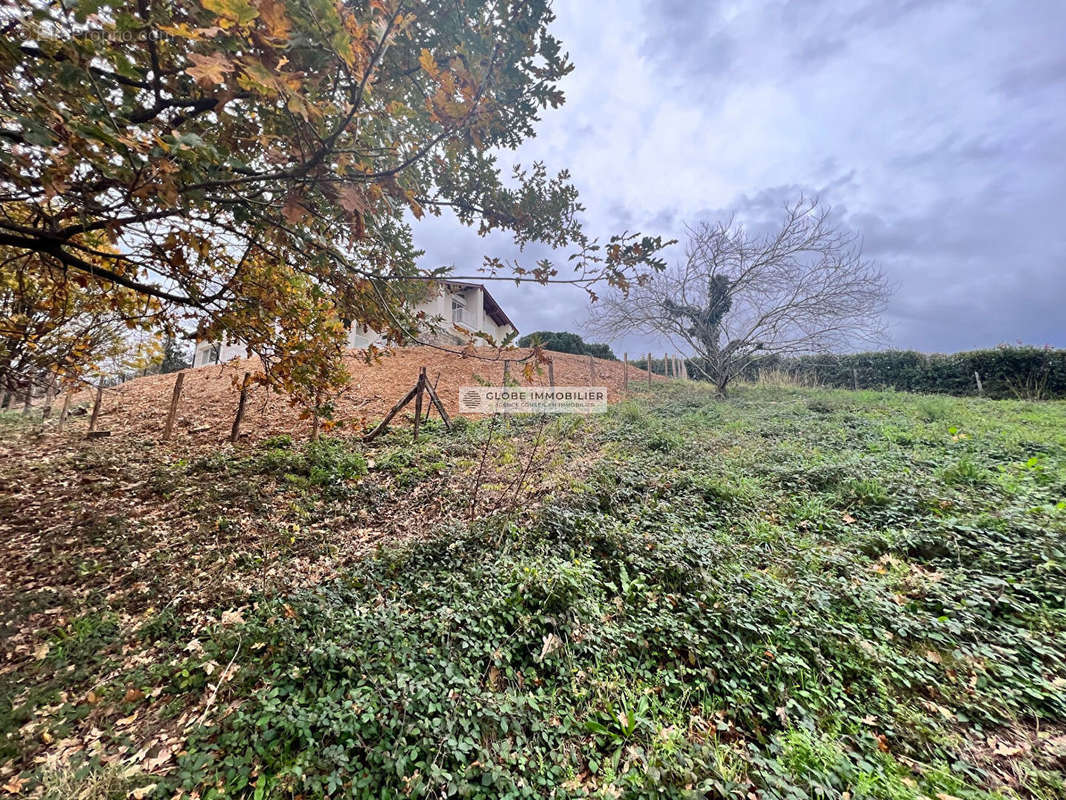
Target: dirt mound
209, 396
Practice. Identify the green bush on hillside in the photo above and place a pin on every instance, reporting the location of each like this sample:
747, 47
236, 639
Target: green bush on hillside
566, 342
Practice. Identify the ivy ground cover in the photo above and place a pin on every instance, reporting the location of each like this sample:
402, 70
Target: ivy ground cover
790, 593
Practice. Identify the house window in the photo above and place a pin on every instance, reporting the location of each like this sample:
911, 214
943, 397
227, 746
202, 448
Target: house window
457, 310
211, 354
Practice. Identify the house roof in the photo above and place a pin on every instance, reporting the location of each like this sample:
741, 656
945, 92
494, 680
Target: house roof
492, 308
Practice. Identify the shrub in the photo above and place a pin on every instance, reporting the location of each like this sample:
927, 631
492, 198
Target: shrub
964, 472
933, 409
326, 462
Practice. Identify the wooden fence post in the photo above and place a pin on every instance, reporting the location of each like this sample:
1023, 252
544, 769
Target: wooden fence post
592, 370
855, 378
551, 373
435, 402
980, 388
422, 388
96, 406
407, 398
173, 406
316, 421
625, 372
235, 433
649, 369
429, 406
49, 398
63, 411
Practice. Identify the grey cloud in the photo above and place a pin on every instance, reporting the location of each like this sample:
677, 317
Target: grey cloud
688, 39
694, 40
877, 14
1025, 80
815, 51
934, 129
954, 150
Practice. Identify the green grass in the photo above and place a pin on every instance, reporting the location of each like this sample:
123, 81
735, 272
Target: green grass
792, 593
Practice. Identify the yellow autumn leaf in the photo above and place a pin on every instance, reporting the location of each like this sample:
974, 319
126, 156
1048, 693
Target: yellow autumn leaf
209, 70
239, 12
272, 13
428, 63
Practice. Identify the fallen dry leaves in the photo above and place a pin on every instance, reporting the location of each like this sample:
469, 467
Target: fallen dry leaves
124, 527
209, 394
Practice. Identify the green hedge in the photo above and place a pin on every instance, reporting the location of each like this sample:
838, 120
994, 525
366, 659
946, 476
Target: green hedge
566, 342
1006, 372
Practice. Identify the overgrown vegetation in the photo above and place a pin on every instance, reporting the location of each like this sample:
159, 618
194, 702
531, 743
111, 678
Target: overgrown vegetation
792, 593
1022, 373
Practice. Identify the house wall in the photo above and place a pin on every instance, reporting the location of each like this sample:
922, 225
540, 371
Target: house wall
361, 337
226, 352
477, 319
438, 307
497, 332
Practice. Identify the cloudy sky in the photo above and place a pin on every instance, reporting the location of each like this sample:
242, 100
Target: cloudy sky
936, 129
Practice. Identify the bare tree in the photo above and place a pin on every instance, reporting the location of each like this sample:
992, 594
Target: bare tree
738, 298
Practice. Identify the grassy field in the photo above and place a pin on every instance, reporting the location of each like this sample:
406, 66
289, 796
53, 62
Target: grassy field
792, 593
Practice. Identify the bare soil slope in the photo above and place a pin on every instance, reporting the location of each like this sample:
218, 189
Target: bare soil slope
209, 397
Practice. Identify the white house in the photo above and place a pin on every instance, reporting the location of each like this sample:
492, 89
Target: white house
458, 309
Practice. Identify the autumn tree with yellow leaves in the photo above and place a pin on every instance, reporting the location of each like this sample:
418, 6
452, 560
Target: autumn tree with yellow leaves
60, 327
258, 165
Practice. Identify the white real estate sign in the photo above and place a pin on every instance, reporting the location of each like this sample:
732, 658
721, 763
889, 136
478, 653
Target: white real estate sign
532, 399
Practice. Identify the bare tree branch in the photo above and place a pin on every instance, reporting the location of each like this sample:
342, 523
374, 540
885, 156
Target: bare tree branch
738, 298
